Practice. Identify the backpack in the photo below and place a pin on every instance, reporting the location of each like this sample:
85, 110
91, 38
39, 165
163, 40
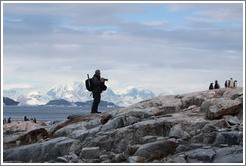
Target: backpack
89, 83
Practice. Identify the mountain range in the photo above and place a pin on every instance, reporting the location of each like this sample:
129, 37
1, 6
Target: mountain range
8, 101
62, 102
76, 92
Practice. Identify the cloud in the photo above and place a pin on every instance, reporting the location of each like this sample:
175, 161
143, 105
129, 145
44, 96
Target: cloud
154, 23
178, 49
211, 12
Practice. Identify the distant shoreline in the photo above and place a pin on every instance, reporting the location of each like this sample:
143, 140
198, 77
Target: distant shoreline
46, 113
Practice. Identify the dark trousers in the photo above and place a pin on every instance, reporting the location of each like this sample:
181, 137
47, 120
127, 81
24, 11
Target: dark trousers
97, 98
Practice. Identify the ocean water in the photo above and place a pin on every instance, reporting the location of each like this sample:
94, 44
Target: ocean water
46, 113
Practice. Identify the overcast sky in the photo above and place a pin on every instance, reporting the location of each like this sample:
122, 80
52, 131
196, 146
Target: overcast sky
178, 47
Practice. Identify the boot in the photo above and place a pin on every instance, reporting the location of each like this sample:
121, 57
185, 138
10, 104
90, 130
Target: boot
94, 108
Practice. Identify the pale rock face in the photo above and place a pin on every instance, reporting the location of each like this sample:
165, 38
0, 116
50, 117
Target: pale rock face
216, 108
20, 126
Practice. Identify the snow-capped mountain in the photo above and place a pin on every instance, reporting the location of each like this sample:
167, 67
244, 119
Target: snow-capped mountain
76, 92
132, 95
33, 98
14, 93
72, 92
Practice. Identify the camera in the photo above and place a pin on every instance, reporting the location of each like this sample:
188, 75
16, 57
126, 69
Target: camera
105, 79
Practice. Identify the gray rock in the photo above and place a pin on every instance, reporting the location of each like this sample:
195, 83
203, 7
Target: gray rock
119, 158
157, 127
132, 149
92, 123
111, 155
156, 150
60, 149
62, 159
208, 129
229, 155
90, 153
139, 114
230, 138
103, 140
196, 145
219, 124
204, 155
209, 138
114, 123
175, 159
79, 134
130, 120
136, 159
232, 93
73, 158
233, 120
182, 148
67, 130
104, 157
216, 108
122, 138
237, 95
177, 132
148, 139
76, 146
39, 152
188, 101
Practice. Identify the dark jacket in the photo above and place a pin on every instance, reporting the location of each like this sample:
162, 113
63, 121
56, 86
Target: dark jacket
97, 84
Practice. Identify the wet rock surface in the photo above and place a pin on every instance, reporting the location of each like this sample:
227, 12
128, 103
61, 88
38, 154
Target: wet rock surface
200, 127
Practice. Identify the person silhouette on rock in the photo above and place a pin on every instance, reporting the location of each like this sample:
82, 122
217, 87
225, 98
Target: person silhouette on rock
99, 87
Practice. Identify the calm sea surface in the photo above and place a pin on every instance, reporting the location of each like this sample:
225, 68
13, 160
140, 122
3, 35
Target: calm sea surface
46, 113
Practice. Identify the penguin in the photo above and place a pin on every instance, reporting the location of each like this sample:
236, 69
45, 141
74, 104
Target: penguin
226, 84
34, 120
231, 83
216, 86
4, 121
235, 83
9, 120
211, 86
25, 118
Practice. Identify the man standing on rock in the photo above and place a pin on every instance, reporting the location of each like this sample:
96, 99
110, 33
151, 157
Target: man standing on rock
99, 86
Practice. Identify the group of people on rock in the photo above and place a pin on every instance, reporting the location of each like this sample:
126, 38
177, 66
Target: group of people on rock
228, 84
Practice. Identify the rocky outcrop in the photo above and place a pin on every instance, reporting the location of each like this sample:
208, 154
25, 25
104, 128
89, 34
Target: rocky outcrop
156, 150
197, 127
216, 108
40, 152
27, 138
21, 126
